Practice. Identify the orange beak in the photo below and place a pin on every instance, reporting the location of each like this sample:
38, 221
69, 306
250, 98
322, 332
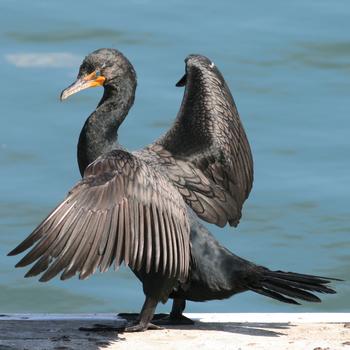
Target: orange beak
90, 80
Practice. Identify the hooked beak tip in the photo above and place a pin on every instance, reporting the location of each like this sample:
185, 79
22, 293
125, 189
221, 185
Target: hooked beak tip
64, 95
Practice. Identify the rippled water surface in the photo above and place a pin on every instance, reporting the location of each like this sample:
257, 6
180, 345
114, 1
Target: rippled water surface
288, 66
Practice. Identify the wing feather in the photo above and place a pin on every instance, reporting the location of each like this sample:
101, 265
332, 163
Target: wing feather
78, 248
156, 235
141, 237
134, 226
108, 255
122, 210
206, 151
120, 237
169, 245
127, 238
148, 233
163, 240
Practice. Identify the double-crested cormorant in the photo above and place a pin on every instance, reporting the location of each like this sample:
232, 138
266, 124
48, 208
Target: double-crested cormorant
134, 207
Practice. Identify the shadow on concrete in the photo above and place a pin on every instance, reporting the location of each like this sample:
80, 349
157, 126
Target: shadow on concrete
94, 334
246, 328
55, 335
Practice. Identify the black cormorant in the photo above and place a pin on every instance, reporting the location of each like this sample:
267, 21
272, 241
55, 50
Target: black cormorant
134, 206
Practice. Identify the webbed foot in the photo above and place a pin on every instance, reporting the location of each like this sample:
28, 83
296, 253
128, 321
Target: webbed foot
140, 327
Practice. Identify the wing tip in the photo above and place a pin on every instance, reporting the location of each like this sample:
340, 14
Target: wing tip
19, 249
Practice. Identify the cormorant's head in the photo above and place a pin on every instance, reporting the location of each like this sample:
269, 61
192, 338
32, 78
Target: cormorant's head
104, 67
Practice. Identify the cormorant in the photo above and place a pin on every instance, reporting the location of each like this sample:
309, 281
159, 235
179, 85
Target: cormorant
135, 207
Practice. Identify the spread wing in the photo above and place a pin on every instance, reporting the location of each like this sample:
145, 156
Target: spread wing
122, 210
206, 152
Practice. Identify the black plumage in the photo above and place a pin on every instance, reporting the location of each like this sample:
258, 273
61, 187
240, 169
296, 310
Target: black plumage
206, 152
133, 207
113, 214
219, 274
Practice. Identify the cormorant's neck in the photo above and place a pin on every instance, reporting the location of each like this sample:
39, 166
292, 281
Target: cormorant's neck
100, 131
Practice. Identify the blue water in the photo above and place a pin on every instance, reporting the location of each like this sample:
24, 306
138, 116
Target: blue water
288, 66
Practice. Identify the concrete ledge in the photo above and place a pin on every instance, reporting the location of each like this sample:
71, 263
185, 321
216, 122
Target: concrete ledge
314, 331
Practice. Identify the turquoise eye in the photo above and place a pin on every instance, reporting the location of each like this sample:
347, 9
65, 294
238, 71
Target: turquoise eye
98, 73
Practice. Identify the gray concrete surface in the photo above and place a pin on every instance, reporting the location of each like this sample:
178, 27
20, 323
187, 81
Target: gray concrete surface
316, 331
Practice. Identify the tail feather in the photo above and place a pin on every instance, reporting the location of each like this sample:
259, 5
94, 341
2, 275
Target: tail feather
274, 295
291, 292
299, 277
284, 286
308, 286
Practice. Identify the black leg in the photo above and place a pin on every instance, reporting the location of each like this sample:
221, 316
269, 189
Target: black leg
178, 307
145, 317
156, 287
176, 317
139, 322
